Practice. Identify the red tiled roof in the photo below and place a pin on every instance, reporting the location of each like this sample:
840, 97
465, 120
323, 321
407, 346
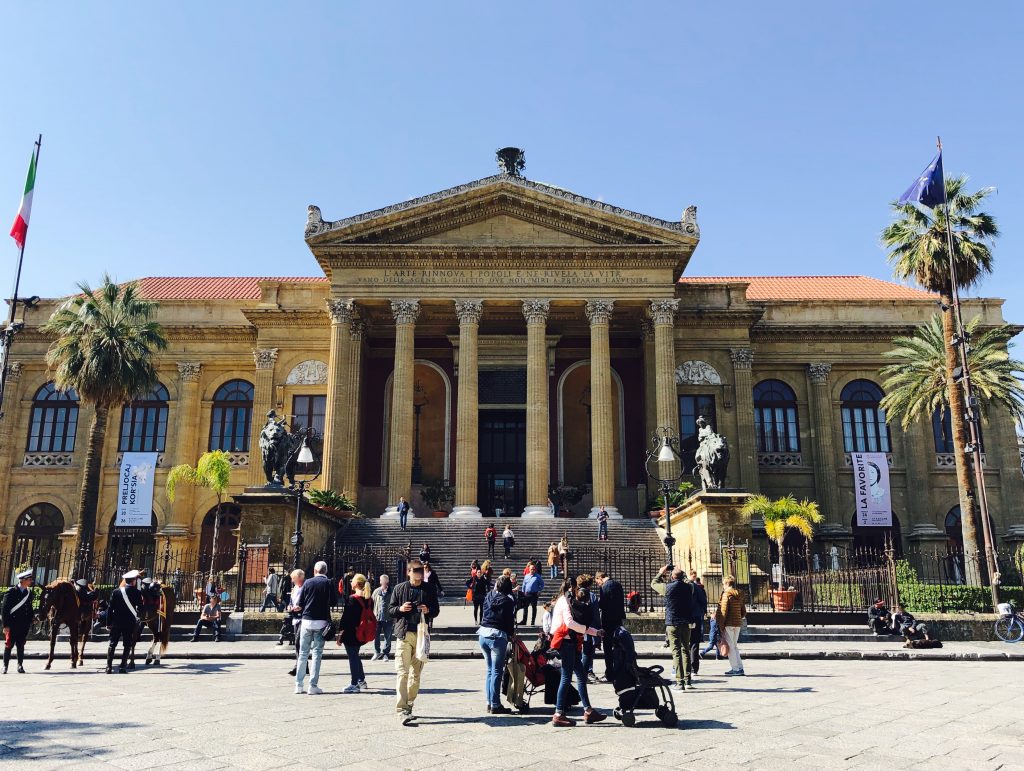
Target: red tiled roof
211, 288
796, 288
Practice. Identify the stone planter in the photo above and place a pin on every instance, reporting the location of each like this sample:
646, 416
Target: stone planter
784, 599
439, 514
343, 513
565, 514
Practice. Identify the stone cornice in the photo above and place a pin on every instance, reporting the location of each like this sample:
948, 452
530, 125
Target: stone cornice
266, 318
829, 332
486, 255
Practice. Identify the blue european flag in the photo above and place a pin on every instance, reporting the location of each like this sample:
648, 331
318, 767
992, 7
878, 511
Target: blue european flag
927, 189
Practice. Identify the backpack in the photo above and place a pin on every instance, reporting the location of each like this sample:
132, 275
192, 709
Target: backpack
633, 600
366, 631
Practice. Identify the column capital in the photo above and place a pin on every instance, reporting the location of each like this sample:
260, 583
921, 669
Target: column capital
188, 371
536, 311
469, 311
265, 358
14, 370
599, 311
405, 311
341, 311
663, 311
357, 329
818, 372
742, 358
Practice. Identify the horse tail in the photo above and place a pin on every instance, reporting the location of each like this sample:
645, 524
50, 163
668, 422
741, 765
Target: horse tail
166, 616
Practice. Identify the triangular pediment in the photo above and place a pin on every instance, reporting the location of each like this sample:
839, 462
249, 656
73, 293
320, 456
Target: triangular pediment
506, 229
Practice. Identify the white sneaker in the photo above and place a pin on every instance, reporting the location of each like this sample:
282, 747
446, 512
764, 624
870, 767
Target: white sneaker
314, 691
298, 689
351, 689
376, 657
363, 686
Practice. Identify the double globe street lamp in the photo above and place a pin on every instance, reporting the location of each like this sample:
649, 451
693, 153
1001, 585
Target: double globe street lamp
665, 467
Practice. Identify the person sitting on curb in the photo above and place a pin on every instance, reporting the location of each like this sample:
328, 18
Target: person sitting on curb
209, 617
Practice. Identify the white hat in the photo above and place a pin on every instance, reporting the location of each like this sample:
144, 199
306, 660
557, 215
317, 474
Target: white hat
82, 582
131, 575
147, 580
24, 574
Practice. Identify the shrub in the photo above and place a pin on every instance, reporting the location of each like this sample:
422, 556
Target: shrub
919, 597
437, 494
329, 499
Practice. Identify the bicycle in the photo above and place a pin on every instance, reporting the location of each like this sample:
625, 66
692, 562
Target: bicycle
1009, 626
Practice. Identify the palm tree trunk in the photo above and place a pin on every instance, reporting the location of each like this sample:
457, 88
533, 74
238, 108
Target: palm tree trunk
89, 493
972, 568
213, 546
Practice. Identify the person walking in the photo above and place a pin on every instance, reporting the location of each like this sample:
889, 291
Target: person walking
613, 613
563, 555
552, 510
431, 577
680, 607
731, 612
382, 612
490, 536
567, 639
602, 524
533, 585
412, 601
584, 583
403, 512
351, 629
295, 614
271, 590
425, 553
17, 618
553, 560
210, 616
315, 606
496, 627
508, 540
700, 602
479, 588
123, 619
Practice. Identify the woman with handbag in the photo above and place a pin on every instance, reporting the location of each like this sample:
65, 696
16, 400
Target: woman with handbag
731, 612
569, 622
354, 621
496, 628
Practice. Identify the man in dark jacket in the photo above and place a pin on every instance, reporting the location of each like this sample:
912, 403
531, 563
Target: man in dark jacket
681, 605
613, 613
123, 619
315, 602
700, 601
403, 512
411, 601
17, 618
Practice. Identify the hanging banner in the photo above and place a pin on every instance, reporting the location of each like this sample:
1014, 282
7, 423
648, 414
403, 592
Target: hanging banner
135, 490
871, 489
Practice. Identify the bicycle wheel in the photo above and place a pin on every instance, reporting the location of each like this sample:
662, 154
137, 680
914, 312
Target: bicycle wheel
1009, 629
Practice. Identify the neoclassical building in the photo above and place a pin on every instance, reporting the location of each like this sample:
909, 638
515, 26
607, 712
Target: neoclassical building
505, 335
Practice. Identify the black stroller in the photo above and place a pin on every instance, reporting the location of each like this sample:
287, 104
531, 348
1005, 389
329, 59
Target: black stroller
639, 687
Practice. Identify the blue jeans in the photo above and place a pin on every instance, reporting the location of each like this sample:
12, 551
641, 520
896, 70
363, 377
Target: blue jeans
310, 639
572, 663
602, 530
403, 518
554, 571
495, 651
385, 629
355, 664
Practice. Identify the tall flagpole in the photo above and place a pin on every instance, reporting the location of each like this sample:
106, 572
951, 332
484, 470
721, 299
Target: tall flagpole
961, 343
11, 330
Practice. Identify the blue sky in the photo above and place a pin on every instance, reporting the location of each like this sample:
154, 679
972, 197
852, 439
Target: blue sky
188, 139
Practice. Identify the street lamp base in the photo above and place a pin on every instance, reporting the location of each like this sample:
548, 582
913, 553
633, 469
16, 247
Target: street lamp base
538, 511
613, 513
466, 512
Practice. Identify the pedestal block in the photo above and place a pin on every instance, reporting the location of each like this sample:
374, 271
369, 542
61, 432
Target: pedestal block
268, 517
705, 520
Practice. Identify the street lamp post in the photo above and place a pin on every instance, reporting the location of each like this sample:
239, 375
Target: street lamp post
303, 455
660, 469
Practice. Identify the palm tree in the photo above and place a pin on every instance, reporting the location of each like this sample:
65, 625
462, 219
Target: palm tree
780, 515
918, 250
104, 346
213, 471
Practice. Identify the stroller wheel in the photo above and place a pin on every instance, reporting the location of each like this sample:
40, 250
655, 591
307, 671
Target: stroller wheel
666, 716
628, 719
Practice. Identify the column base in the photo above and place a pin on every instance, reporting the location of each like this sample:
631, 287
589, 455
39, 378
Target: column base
539, 511
466, 512
391, 512
613, 513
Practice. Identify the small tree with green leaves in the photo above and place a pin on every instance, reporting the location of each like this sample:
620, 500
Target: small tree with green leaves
781, 515
213, 471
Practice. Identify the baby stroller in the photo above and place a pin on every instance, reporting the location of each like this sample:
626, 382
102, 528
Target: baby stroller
528, 672
639, 687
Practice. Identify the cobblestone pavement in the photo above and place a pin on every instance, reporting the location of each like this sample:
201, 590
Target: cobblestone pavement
243, 714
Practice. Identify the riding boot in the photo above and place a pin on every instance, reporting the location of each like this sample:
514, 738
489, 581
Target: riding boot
110, 660
7, 659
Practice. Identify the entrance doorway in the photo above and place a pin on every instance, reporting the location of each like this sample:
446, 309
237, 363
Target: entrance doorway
502, 473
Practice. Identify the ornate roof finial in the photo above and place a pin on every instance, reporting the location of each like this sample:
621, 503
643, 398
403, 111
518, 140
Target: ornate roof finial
511, 161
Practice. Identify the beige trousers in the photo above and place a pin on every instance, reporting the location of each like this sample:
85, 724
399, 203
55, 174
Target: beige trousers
408, 668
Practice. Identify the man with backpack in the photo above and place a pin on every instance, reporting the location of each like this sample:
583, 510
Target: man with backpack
681, 610
490, 535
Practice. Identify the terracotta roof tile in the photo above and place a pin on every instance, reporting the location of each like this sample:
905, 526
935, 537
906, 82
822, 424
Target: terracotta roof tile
212, 287
797, 288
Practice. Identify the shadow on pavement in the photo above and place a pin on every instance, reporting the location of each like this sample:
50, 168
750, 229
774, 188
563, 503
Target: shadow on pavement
42, 732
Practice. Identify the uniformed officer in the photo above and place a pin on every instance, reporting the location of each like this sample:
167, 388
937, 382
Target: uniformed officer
86, 594
123, 619
17, 618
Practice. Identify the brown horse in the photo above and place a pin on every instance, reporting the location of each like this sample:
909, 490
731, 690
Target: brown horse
159, 620
61, 604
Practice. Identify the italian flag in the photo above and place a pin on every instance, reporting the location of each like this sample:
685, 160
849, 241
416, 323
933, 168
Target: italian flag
20, 228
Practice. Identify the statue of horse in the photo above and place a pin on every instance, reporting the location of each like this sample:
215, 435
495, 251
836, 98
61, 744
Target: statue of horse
712, 457
158, 618
61, 604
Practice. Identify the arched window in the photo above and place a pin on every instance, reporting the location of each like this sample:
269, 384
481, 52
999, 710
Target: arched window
144, 423
864, 427
36, 541
231, 417
226, 549
131, 547
54, 420
775, 417
942, 431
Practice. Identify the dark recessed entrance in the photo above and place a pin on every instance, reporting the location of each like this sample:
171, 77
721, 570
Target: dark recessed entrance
502, 461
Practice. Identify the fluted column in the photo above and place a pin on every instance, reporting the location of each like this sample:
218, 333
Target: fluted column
353, 403
400, 458
663, 314
336, 418
538, 453
746, 438
826, 482
650, 378
12, 411
262, 403
599, 312
466, 441
186, 439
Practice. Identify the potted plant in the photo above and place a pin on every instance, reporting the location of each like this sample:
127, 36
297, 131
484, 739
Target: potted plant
779, 516
565, 496
437, 494
656, 507
332, 501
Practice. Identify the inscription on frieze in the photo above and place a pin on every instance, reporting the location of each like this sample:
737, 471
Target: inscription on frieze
498, 277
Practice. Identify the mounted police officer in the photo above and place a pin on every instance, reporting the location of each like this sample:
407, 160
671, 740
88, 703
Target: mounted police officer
86, 594
17, 618
123, 619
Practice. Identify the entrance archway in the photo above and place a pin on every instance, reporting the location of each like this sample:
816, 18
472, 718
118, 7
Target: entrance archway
36, 541
131, 547
225, 550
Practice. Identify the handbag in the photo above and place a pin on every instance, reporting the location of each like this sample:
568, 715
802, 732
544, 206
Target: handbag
723, 647
422, 640
330, 631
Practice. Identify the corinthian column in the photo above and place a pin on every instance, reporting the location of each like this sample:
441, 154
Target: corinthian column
337, 416
538, 454
663, 314
599, 312
400, 461
353, 401
466, 449
263, 400
186, 439
826, 482
742, 364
